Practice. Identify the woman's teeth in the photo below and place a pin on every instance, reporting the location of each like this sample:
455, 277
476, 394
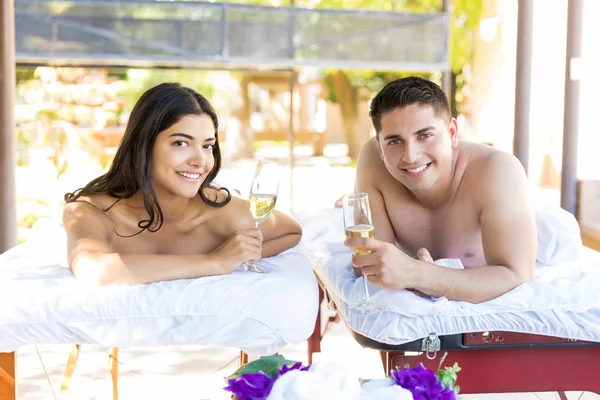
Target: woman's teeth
191, 176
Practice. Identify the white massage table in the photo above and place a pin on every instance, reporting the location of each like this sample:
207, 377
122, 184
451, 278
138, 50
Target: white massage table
541, 336
42, 303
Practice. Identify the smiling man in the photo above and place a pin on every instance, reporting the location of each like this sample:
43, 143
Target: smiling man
433, 196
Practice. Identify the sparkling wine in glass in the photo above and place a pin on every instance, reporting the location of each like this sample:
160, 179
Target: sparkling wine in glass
358, 224
263, 196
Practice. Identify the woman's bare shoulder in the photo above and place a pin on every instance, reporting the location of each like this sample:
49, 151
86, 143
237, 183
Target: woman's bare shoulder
239, 211
234, 215
90, 209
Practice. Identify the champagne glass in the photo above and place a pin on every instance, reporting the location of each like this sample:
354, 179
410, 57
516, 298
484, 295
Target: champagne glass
358, 224
263, 196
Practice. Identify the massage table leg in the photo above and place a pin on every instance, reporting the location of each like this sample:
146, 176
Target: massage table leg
243, 358
8, 388
384, 361
114, 371
314, 341
534, 369
70, 369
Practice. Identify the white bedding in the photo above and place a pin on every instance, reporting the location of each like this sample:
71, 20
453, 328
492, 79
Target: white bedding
41, 302
562, 301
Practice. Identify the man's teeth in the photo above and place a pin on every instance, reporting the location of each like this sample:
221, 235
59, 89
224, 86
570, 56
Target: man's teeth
191, 176
417, 170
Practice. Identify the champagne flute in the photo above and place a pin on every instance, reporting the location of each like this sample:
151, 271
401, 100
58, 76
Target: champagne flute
358, 224
263, 196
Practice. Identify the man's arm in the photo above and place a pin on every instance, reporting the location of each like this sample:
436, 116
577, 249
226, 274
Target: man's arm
509, 238
508, 233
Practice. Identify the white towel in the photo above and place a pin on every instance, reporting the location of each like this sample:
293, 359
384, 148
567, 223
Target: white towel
562, 300
326, 380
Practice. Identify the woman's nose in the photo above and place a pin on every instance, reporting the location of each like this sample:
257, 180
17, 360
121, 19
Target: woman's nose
198, 159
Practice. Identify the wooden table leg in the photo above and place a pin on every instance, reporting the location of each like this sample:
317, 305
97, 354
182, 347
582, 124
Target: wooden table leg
114, 371
8, 387
70, 369
243, 358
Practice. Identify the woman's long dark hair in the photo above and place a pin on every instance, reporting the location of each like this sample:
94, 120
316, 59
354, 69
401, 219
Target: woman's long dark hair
157, 110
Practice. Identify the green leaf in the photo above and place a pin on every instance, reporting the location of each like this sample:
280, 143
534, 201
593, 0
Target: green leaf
456, 368
269, 365
449, 375
446, 380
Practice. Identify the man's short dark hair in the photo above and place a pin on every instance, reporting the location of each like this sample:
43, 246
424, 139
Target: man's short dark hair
406, 91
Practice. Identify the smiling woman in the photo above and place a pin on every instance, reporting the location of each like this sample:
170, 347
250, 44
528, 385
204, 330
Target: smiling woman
155, 215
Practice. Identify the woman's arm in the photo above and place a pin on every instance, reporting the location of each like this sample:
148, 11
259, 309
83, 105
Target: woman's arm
93, 261
280, 232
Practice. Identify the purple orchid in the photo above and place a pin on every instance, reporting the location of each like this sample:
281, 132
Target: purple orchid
423, 384
434, 394
251, 386
286, 368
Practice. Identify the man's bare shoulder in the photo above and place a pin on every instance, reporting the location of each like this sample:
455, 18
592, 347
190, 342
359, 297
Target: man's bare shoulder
487, 167
370, 169
373, 177
481, 159
369, 158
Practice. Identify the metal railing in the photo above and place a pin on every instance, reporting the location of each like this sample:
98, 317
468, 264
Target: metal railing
202, 34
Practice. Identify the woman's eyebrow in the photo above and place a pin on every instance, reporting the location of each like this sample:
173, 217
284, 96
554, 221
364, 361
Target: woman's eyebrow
184, 135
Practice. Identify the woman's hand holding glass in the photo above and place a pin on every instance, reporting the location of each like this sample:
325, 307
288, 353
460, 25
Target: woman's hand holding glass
263, 196
243, 245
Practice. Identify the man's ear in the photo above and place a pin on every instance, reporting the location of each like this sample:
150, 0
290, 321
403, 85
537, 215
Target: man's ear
453, 129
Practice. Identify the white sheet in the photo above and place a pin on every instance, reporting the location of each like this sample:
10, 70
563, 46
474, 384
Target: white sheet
562, 301
41, 302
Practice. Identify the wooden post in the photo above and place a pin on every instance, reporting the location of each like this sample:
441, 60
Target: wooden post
8, 203
447, 74
8, 219
523, 82
568, 187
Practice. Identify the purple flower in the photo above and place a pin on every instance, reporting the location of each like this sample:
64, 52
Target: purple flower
286, 368
423, 384
434, 394
417, 377
251, 386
